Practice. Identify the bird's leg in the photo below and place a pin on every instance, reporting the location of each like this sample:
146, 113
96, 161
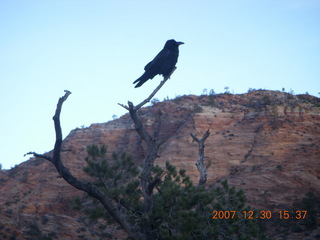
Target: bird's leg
130, 105
171, 72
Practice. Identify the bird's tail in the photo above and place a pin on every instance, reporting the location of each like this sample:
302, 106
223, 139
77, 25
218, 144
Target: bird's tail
141, 80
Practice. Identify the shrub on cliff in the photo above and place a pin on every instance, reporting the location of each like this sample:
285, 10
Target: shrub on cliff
181, 210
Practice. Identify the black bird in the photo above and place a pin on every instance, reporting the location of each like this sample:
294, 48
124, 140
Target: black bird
163, 63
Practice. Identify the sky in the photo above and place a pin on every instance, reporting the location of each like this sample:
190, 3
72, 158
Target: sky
97, 48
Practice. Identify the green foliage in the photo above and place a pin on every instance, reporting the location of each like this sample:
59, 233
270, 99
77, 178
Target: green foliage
181, 210
229, 199
226, 90
204, 92
184, 211
178, 99
197, 108
116, 177
266, 101
77, 203
212, 98
309, 99
309, 204
35, 233
154, 101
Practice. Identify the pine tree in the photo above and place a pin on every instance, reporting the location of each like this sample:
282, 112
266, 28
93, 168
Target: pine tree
181, 210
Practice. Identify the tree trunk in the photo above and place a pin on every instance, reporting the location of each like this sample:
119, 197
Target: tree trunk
200, 164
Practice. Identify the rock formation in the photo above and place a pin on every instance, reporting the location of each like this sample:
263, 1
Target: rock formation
264, 142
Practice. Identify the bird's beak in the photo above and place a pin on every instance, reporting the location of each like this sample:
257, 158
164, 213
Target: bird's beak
180, 43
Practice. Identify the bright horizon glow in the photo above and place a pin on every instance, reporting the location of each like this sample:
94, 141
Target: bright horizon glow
96, 49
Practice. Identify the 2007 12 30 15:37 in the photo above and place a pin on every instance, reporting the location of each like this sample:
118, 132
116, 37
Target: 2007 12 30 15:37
263, 214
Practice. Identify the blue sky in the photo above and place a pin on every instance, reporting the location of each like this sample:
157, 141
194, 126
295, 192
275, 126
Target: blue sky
96, 49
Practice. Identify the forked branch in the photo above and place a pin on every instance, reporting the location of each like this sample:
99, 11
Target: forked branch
200, 164
119, 216
147, 185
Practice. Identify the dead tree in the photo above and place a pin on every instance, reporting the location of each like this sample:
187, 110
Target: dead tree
200, 164
117, 213
153, 145
147, 186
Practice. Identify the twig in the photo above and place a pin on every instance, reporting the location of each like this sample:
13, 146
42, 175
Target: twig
39, 155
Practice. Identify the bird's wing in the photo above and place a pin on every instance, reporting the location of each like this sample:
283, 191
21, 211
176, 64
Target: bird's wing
158, 60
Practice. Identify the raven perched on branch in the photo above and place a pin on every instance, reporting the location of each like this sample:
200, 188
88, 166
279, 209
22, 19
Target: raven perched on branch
163, 63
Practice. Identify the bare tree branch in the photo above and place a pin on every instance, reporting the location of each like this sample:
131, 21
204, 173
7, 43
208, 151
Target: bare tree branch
152, 154
151, 95
117, 214
156, 90
39, 156
200, 164
147, 185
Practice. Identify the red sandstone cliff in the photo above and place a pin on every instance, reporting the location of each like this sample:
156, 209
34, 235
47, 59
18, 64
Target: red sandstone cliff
265, 142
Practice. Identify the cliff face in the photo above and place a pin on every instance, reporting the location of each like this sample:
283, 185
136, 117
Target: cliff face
265, 142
